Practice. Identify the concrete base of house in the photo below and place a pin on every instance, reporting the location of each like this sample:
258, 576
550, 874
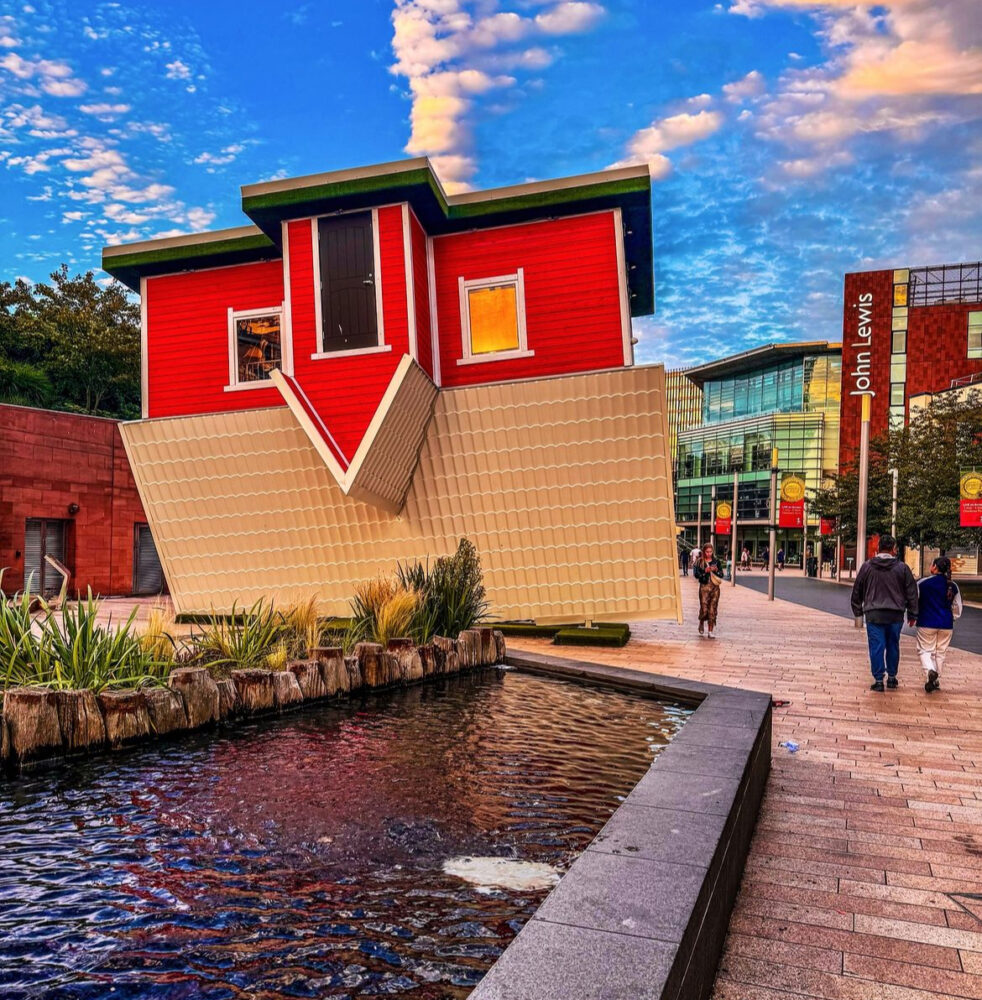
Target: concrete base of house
643, 912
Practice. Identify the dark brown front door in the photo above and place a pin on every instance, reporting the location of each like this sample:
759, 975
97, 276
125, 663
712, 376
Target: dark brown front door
347, 262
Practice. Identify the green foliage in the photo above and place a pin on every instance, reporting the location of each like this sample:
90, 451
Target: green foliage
452, 593
70, 344
68, 649
929, 453
242, 640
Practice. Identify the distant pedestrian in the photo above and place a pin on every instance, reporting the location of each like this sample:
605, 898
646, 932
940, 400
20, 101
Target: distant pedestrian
709, 573
684, 557
939, 604
765, 557
780, 558
884, 589
745, 558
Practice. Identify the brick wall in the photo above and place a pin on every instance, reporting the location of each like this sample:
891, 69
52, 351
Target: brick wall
49, 460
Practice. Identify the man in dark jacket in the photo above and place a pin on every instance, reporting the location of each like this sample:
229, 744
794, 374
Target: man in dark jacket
884, 590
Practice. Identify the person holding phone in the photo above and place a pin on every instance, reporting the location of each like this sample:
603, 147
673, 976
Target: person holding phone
709, 573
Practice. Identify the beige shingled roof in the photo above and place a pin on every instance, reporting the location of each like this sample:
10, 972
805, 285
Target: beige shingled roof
563, 484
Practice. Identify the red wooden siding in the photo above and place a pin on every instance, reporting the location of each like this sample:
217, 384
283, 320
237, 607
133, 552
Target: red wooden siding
421, 291
187, 323
572, 302
187, 317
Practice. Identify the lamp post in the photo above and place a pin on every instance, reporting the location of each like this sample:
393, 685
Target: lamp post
893, 505
733, 530
772, 534
804, 537
699, 522
712, 518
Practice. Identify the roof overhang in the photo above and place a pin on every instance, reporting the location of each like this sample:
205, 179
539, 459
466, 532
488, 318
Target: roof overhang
270, 203
132, 261
758, 357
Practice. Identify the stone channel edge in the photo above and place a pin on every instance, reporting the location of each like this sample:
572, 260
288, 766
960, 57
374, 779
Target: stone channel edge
642, 913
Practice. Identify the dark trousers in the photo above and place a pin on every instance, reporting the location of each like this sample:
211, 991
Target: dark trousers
884, 648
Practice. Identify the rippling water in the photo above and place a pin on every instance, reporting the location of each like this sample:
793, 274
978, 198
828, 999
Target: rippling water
303, 857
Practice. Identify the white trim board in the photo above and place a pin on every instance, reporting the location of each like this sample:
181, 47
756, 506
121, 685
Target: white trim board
407, 252
627, 334
144, 360
234, 385
434, 317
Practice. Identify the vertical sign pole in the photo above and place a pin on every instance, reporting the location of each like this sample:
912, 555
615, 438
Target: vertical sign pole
772, 535
863, 484
699, 522
712, 519
804, 537
893, 506
733, 531
863, 489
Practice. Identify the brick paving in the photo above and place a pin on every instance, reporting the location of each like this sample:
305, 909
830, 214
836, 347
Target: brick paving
869, 834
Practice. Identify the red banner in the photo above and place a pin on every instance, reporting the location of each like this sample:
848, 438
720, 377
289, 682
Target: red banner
827, 526
724, 525
791, 515
971, 513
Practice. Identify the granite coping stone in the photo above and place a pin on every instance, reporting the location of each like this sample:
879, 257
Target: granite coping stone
643, 911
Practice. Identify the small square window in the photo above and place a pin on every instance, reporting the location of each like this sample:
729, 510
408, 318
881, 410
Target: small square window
898, 368
493, 318
255, 345
899, 345
899, 319
975, 334
900, 295
897, 393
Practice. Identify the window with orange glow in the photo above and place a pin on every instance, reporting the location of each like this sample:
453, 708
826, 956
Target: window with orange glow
493, 319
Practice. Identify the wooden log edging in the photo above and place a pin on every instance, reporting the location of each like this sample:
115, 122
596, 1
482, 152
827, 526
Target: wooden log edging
38, 723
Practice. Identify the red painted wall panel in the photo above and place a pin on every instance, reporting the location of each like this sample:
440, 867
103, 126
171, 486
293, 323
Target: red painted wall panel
572, 300
49, 460
421, 297
937, 352
188, 336
187, 323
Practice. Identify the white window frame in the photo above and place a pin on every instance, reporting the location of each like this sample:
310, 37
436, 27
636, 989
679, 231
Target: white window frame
464, 287
320, 354
286, 360
975, 328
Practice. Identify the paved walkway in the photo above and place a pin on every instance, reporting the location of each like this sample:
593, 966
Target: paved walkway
823, 595
860, 880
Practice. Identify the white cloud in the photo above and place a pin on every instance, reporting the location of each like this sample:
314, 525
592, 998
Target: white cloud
226, 155
454, 51
178, 70
649, 145
54, 78
752, 85
104, 110
569, 18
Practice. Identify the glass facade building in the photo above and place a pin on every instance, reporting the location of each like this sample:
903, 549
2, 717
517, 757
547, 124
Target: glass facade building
785, 396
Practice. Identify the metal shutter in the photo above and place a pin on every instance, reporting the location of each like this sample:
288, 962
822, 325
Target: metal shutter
148, 576
32, 556
54, 546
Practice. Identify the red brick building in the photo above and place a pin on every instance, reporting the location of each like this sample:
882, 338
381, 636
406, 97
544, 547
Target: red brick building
66, 491
905, 333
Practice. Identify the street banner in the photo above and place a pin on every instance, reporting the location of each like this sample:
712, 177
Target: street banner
724, 517
970, 491
792, 508
827, 526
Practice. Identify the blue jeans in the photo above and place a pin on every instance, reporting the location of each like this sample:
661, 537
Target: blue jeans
884, 645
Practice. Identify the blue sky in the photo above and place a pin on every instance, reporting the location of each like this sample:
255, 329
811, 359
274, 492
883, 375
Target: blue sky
789, 141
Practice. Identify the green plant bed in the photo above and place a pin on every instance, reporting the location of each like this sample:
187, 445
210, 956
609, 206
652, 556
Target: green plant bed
603, 635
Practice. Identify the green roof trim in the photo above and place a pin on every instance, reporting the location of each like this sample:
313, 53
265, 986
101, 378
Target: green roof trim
130, 267
546, 199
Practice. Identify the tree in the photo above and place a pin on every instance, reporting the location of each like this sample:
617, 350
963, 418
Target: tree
929, 454
79, 341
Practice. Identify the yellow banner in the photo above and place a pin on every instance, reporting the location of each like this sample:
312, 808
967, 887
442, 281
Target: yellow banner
970, 486
792, 489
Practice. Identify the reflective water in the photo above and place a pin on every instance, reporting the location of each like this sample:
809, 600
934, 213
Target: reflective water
304, 857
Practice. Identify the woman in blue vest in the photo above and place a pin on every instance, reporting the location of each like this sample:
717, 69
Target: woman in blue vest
939, 604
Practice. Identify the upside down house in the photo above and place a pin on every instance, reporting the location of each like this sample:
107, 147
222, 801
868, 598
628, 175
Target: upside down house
374, 369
